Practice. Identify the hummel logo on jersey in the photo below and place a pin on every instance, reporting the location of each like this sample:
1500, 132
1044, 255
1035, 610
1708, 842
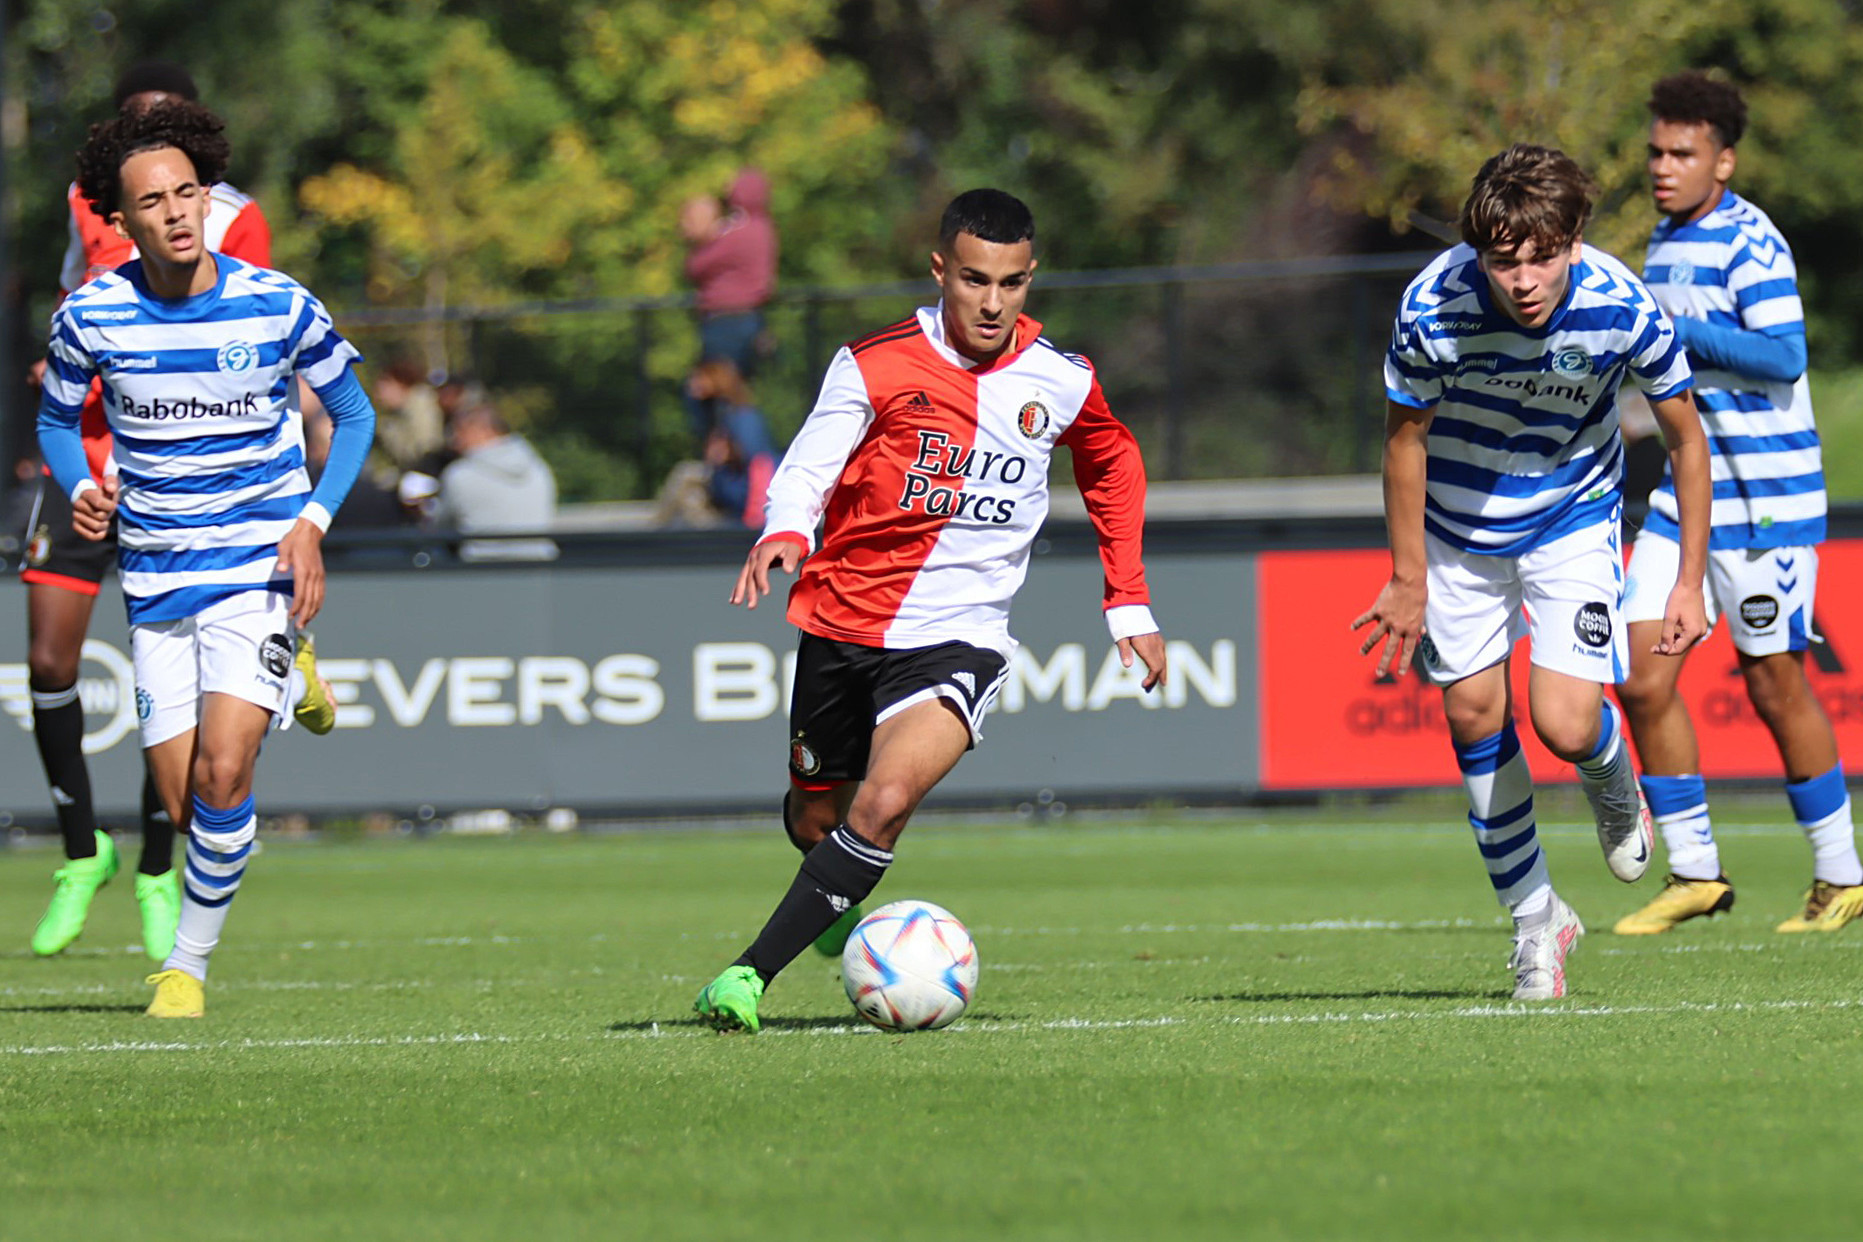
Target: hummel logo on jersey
919, 401
966, 679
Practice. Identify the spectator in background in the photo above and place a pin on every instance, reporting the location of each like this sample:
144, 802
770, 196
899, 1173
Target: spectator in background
732, 266
727, 485
409, 427
497, 485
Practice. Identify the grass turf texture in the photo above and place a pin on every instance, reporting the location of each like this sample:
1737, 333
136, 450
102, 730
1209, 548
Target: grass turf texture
1273, 1025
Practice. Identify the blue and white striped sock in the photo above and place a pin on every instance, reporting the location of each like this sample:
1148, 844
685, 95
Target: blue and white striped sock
1822, 807
1609, 760
1680, 806
1500, 799
218, 842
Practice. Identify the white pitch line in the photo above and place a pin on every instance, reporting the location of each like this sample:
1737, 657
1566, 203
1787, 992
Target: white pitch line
656, 1031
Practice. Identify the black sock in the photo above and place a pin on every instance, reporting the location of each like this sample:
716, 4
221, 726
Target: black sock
836, 874
58, 725
158, 832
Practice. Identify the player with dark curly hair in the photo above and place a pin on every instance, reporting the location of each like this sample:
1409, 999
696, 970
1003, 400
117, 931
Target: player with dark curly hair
1720, 267
63, 572
221, 532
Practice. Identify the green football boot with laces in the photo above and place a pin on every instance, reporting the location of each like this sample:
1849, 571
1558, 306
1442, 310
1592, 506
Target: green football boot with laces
78, 881
729, 1002
831, 942
159, 896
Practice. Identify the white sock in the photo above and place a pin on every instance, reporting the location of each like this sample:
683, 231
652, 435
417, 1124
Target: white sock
218, 842
1822, 807
1680, 805
1608, 766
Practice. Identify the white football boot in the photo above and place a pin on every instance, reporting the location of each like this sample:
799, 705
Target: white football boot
1626, 829
1540, 949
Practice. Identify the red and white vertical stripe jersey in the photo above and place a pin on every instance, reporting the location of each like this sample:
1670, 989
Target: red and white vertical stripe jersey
234, 225
930, 476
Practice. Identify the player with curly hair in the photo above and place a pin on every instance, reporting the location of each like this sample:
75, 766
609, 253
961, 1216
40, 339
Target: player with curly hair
219, 528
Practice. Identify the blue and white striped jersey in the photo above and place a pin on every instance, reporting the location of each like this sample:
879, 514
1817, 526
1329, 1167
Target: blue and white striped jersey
201, 398
1733, 269
1524, 444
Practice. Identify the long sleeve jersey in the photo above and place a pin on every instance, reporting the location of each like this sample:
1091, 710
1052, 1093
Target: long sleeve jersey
929, 476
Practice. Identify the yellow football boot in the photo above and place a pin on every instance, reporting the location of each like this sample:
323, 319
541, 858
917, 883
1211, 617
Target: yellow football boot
1681, 899
315, 711
177, 995
1828, 907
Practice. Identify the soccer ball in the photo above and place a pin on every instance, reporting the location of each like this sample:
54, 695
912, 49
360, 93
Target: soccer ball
910, 966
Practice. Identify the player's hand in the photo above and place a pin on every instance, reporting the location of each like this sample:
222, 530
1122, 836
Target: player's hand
95, 506
753, 581
1397, 614
1149, 648
35, 375
1684, 620
300, 554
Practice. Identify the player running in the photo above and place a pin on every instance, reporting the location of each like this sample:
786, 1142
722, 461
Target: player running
926, 460
220, 532
1717, 264
1502, 492
63, 572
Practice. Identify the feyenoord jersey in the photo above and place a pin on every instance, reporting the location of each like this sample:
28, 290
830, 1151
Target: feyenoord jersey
930, 478
234, 225
1733, 268
1524, 444
201, 398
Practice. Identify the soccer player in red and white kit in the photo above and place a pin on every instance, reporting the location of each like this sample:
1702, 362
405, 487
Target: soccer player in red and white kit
63, 573
926, 462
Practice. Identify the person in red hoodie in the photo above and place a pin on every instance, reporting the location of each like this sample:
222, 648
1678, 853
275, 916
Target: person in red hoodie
732, 266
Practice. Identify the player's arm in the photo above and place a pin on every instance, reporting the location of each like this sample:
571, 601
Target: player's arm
1397, 613
1768, 342
67, 381
1110, 472
1685, 617
811, 467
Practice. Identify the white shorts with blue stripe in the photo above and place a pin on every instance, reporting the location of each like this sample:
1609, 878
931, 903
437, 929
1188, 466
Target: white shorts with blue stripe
1764, 593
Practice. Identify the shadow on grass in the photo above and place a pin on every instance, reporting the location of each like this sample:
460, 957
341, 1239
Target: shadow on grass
850, 1022
72, 1008
1270, 998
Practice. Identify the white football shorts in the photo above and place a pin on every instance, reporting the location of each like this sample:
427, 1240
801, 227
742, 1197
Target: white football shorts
1765, 593
1565, 594
241, 646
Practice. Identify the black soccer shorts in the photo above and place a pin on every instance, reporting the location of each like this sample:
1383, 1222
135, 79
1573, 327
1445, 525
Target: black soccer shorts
844, 691
55, 554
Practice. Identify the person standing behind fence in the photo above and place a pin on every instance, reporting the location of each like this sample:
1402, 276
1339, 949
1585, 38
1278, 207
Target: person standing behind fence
732, 266
497, 484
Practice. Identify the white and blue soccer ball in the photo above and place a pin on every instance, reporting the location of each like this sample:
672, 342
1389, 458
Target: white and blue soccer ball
910, 966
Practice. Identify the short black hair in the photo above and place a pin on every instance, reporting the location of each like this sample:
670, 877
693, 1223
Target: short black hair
155, 75
1693, 97
187, 127
987, 215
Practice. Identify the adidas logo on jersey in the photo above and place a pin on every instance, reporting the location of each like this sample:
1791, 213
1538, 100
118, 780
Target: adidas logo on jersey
919, 401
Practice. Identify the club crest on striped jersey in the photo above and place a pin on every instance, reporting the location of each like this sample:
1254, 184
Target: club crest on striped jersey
237, 356
1032, 421
1572, 362
1682, 273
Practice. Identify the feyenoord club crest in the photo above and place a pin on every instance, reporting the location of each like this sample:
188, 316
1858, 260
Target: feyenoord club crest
802, 759
39, 547
1033, 420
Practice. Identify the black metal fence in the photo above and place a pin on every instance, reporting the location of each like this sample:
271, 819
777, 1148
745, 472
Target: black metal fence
1232, 370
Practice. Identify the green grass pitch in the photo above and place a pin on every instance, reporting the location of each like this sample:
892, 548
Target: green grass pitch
1287, 1024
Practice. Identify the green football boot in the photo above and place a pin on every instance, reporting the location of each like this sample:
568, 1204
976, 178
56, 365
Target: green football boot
729, 1002
78, 881
160, 899
831, 942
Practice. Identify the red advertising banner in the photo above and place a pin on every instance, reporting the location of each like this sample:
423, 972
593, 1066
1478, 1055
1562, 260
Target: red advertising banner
1328, 723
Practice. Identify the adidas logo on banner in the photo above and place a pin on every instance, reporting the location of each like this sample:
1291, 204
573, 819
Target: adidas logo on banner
919, 401
968, 681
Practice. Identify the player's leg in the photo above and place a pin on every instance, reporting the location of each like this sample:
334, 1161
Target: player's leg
1573, 588
1473, 618
1667, 748
1771, 628
811, 810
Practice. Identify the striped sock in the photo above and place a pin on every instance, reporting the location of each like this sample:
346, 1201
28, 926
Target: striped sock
218, 843
1500, 799
1680, 805
1609, 760
1822, 808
